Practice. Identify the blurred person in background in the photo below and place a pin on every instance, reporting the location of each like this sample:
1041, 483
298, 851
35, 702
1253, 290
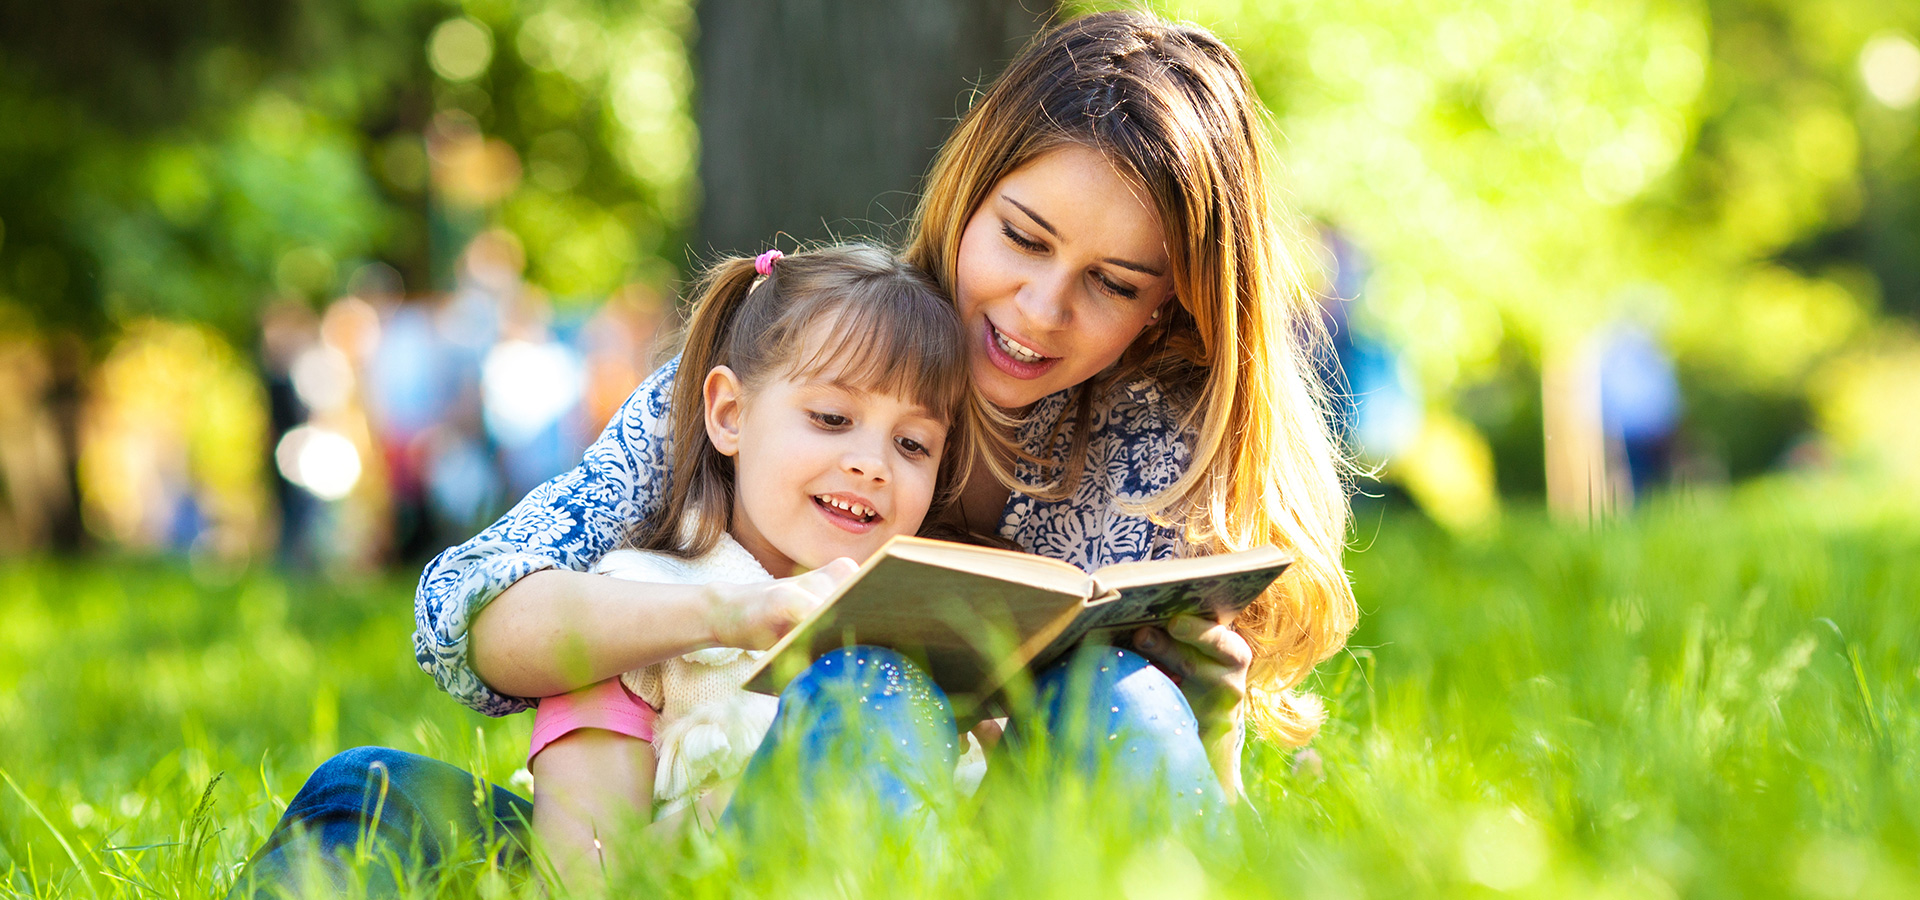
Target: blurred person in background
531, 387
1376, 401
1640, 408
288, 328
34, 464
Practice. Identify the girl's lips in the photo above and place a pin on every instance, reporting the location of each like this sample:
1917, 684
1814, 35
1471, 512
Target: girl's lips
1006, 363
844, 520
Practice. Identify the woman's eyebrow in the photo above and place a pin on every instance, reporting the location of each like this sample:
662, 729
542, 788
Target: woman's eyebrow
1142, 268
1043, 223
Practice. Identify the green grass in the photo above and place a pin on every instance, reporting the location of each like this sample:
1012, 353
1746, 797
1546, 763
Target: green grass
1713, 698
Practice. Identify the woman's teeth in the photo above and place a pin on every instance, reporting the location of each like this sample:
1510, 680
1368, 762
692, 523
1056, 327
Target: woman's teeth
855, 510
1015, 349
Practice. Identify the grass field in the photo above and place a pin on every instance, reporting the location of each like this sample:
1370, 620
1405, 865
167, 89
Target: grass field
1713, 698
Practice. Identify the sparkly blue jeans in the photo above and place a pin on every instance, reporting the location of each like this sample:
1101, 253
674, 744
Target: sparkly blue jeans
859, 722
864, 721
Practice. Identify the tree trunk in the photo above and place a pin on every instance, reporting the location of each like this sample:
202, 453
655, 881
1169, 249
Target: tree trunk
818, 118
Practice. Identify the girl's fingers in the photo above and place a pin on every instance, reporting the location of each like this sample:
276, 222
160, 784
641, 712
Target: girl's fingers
828, 578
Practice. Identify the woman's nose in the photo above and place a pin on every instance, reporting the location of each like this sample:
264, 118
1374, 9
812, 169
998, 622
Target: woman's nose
1044, 301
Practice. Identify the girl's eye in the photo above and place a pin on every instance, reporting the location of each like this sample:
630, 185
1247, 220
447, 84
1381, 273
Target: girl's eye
911, 447
830, 420
1020, 240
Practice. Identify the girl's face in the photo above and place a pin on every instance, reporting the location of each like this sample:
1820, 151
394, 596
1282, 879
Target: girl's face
1061, 267
821, 469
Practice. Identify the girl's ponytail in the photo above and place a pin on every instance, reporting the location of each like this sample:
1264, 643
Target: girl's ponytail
700, 480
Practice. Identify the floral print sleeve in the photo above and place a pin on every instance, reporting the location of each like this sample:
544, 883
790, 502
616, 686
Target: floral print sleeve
568, 522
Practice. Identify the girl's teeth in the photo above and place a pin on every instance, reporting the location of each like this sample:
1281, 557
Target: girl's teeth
1015, 350
853, 509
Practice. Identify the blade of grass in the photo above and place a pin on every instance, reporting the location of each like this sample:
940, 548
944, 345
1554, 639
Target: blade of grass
34, 808
1866, 695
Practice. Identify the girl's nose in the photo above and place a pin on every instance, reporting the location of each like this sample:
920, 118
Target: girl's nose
867, 462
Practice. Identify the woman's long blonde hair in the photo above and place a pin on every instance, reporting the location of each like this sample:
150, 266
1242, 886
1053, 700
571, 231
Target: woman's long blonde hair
1173, 110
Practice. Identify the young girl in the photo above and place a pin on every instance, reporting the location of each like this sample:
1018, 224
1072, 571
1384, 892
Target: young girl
812, 408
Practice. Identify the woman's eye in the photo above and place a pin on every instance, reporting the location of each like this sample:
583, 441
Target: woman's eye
1022, 241
831, 420
1117, 289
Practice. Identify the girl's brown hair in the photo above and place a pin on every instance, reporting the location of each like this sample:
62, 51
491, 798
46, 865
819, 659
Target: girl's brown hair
1172, 109
854, 314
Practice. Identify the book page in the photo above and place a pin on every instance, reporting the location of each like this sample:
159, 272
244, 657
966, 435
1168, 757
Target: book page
964, 627
1125, 609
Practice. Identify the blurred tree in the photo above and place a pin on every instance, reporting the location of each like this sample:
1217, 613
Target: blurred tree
819, 119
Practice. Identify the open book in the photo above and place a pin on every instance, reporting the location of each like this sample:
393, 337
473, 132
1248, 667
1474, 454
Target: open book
977, 616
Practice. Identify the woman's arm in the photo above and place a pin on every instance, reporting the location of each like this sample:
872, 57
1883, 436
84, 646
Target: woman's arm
566, 524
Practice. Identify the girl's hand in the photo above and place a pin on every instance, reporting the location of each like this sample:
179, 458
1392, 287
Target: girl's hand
1209, 661
754, 616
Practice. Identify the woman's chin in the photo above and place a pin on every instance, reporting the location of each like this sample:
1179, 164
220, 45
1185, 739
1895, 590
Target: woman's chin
1005, 391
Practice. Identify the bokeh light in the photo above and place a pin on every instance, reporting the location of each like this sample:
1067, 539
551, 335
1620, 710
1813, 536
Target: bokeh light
323, 461
1890, 66
460, 49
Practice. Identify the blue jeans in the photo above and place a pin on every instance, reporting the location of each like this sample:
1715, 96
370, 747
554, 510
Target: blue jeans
404, 816
860, 722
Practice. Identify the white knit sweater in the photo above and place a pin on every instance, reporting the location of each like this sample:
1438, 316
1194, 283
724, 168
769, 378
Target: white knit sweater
709, 726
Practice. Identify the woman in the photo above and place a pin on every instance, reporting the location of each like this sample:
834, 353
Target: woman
1102, 217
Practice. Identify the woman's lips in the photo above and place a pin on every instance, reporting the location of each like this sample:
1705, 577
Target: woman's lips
1005, 361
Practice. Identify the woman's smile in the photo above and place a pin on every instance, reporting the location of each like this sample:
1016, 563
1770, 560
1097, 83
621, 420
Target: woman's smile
1060, 268
1015, 357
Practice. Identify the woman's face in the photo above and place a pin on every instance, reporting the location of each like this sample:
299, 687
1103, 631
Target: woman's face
1061, 267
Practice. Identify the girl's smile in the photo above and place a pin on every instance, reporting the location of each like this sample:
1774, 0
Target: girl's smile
849, 511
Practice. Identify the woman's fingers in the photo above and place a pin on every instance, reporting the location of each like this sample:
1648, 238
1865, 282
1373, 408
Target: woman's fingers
1207, 660
1154, 643
1219, 642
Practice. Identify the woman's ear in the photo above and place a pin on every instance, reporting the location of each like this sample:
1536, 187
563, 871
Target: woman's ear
721, 396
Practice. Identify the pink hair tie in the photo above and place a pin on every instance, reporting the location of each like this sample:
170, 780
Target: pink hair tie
763, 263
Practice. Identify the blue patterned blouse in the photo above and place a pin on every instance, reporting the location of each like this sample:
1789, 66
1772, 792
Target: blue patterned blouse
574, 519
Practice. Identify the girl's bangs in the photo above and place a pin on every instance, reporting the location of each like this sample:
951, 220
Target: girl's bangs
890, 345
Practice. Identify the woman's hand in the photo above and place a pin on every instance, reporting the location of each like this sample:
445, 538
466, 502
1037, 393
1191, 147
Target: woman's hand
754, 616
1209, 662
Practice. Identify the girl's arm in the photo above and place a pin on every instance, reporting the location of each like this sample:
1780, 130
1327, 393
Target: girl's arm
566, 524
593, 792
556, 631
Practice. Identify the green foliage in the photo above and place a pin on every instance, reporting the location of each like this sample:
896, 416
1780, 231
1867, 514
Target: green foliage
196, 163
1710, 699
1523, 173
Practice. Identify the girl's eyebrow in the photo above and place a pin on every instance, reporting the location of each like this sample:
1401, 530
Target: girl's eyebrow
1142, 268
853, 391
